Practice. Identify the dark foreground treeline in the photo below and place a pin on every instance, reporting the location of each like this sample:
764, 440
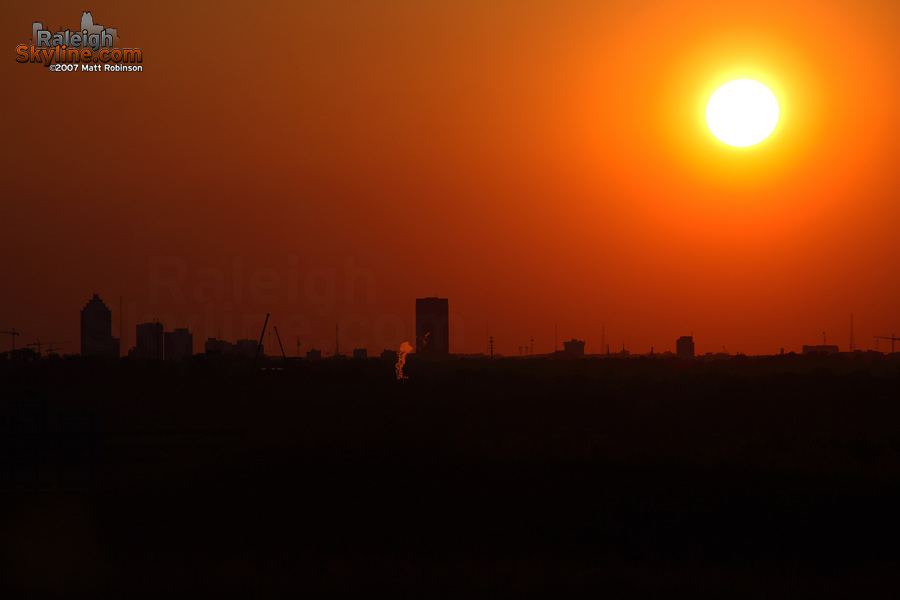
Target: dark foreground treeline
776, 476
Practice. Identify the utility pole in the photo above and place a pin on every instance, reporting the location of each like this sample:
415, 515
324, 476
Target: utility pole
491, 346
602, 336
531, 348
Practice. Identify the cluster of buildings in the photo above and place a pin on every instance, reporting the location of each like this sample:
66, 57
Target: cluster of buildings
152, 342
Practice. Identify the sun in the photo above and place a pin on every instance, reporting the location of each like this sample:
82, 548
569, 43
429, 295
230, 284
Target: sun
742, 113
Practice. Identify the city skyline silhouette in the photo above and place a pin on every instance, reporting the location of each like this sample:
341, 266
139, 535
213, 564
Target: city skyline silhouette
469, 298
432, 335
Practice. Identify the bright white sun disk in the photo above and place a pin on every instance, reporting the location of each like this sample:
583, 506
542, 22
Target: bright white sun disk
742, 113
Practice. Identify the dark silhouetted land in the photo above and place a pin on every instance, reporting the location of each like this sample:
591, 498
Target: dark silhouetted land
775, 476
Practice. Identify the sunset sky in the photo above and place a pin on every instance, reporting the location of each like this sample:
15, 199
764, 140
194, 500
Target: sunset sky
537, 163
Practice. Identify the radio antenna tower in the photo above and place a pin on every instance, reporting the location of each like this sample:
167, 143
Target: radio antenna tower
851, 332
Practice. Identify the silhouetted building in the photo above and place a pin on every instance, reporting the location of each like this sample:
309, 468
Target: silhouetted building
684, 346
390, 355
218, 347
179, 344
360, 353
248, 348
96, 330
574, 347
432, 327
820, 349
314, 354
148, 341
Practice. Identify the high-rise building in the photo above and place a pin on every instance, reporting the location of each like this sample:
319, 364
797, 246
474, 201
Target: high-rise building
684, 346
96, 330
179, 344
148, 341
432, 327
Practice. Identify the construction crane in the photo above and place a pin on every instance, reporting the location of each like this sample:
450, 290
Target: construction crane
12, 335
262, 335
39, 343
892, 337
279, 342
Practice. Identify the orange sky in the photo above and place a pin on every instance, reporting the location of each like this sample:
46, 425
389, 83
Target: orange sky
536, 162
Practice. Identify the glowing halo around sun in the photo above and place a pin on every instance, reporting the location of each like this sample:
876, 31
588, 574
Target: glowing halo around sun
742, 113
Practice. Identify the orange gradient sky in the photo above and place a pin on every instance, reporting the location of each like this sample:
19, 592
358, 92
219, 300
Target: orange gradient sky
535, 162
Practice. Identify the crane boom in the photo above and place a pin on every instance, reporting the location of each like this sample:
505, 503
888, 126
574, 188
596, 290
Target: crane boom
12, 336
39, 343
262, 335
891, 337
279, 342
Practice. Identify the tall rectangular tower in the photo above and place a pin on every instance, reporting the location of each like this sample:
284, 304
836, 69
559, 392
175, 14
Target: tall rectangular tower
684, 346
432, 327
178, 344
149, 338
96, 330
